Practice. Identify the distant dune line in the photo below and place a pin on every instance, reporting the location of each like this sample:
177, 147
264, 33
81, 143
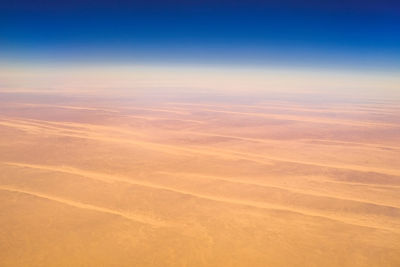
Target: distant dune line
289, 190
268, 107
108, 178
79, 128
359, 144
103, 109
303, 118
69, 107
154, 118
286, 106
274, 141
94, 136
156, 110
260, 157
165, 148
254, 204
131, 217
303, 140
363, 184
221, 153
306, 119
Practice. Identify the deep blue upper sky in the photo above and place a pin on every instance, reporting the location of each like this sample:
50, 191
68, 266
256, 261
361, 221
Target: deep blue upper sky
359, 33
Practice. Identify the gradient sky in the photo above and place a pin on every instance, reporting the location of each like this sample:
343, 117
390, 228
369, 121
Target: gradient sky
354, 34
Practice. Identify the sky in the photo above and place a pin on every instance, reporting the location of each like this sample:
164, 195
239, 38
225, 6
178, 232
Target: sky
306, 33
269, 40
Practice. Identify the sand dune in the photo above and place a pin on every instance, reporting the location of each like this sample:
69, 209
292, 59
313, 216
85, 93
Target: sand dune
277, 186
224, 153
131, 217
293, 117
88, 182
307, 211
304, 119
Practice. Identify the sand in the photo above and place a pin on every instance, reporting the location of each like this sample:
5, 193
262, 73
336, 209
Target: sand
206, 181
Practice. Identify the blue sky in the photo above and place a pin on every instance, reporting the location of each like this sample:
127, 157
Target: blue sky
304, 33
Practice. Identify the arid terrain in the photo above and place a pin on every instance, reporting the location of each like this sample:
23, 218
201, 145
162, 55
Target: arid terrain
88, 181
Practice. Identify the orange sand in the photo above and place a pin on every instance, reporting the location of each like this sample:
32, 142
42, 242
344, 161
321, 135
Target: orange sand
101, 182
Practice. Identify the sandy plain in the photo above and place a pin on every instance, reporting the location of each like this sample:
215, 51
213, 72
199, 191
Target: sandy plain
198, 182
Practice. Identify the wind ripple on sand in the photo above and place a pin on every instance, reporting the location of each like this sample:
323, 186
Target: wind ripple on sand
221, 199
125, 215
220, 153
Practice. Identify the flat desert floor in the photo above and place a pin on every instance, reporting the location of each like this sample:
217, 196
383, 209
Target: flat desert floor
88, 181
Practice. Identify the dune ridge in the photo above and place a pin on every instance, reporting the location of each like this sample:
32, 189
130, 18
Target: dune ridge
198, 182
131, 217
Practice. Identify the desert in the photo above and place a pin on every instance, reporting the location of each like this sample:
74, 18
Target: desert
184, 182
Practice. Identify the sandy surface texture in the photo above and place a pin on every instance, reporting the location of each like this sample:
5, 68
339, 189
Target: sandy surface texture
198, 181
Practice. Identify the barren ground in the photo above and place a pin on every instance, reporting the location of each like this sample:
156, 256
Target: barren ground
183, 182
